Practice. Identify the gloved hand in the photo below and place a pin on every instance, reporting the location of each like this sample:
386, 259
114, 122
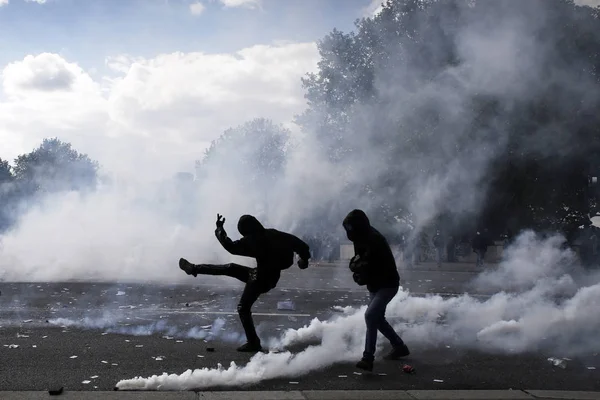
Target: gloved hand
220, 222
303, 264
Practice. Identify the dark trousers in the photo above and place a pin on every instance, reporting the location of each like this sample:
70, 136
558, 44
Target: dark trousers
375, 320
252, 290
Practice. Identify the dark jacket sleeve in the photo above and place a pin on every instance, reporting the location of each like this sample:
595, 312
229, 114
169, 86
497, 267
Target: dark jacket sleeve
242, 247
298, 245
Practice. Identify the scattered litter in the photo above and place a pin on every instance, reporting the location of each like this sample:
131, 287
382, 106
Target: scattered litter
168, 337
73, 357
139, 345
438, 380
93, 377
104, 362
342, 376
11, 346
357, 373
206, 326
22, 336
200, 356
86, 382
127, 340
179, 341
27, 321
558, 362
104, 333
34, 346
55, 391
120, 293
44, 337
292, 318
293, 383
408, 369
158, 358
286, 305
591, 367
115, 364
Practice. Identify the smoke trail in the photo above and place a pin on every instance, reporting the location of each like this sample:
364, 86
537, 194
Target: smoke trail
553, 315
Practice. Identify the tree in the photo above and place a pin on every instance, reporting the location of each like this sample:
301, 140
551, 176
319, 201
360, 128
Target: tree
55, 166
255, 149
402, 93
5, 172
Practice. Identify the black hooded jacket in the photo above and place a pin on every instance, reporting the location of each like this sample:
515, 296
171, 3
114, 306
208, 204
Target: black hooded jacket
373, 248
273, 250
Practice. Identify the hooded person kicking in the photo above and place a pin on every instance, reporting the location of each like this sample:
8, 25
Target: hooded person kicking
273, 250
374, 265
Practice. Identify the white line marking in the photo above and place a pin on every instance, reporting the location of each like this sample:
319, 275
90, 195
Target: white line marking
233, 313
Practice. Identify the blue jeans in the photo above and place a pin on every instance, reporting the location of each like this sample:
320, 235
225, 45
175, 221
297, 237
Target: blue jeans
375, 319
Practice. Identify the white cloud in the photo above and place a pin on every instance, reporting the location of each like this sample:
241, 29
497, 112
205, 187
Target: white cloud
590, 3
373, 8
242, 3
197, 8
158, 114
3, 2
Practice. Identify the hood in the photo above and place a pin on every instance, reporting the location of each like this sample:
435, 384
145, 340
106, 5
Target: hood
357, 225
249, 225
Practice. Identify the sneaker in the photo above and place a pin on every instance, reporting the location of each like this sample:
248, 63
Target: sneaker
187, 267
250, 348
364, 364
397, 352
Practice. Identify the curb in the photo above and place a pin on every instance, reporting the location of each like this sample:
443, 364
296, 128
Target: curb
313, 395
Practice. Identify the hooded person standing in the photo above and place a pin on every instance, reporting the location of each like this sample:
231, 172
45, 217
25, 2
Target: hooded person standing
374, 266
273, 250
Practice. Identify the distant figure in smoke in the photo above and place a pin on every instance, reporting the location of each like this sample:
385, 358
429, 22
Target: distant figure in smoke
438, 243
373, 265
273, 251
480, 246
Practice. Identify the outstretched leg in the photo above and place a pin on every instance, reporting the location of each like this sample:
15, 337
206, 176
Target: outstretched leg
233, 270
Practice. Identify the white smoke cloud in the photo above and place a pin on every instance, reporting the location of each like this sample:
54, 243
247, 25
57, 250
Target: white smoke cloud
537, 319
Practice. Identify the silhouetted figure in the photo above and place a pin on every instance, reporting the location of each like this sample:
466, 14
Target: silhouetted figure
273, 250
480, 246
451, 249
373, 265
438, 243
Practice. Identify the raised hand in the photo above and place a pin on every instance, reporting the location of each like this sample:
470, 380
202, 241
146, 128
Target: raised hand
220, 221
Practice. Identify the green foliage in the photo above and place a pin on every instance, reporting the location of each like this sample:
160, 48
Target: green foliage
368, 96
257, 148
55, 166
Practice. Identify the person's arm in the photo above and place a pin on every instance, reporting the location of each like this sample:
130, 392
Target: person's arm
242, 247
299, 246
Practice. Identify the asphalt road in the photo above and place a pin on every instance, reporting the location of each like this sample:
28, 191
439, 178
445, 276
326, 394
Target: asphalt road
89, 336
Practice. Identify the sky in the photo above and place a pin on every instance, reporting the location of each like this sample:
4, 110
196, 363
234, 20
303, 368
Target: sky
145, 85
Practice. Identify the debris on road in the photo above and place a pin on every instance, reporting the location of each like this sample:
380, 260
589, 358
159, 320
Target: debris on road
558, 362
55, 391
286, 305
408, 369
438, 380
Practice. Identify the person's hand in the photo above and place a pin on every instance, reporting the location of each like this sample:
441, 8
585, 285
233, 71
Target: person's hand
220, 221
303, 264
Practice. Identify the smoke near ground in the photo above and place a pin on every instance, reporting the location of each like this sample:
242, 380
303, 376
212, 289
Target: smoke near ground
554, 316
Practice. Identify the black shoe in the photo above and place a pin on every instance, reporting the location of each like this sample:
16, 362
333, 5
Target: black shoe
187, 267
250, 348
397, 352
364, 364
